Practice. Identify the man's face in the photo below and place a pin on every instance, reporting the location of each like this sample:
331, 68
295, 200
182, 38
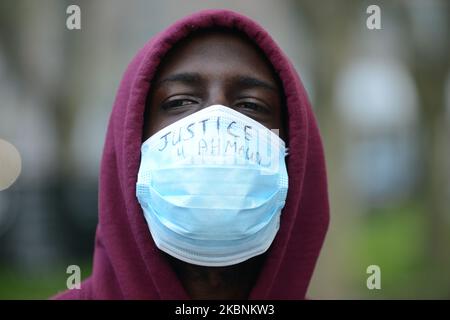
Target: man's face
214, 68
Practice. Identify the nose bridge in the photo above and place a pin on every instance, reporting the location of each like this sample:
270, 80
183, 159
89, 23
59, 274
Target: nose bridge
217, 94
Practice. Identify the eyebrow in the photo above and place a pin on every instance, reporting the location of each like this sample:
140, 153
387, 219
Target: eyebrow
251, 82
185, 77
195, 78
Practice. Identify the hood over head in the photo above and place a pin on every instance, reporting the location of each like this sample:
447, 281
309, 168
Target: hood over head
127, 263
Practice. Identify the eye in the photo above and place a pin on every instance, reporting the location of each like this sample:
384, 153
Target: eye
177, 103
252, 106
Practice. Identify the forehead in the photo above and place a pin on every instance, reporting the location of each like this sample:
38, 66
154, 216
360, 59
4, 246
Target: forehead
215, 52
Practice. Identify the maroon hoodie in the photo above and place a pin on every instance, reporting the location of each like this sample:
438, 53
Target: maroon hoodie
127, 263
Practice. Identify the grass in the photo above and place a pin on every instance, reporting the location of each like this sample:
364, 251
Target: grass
20, 285
395, 239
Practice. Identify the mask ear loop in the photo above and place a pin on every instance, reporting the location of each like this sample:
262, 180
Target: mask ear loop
286, 152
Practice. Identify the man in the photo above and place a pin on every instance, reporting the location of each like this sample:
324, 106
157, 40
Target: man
199, 197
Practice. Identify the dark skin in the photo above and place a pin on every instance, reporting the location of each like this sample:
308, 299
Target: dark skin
215, 67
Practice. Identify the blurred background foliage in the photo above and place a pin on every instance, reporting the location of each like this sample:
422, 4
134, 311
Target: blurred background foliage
382, 99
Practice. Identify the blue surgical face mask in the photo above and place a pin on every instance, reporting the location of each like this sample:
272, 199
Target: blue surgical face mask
212, 186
